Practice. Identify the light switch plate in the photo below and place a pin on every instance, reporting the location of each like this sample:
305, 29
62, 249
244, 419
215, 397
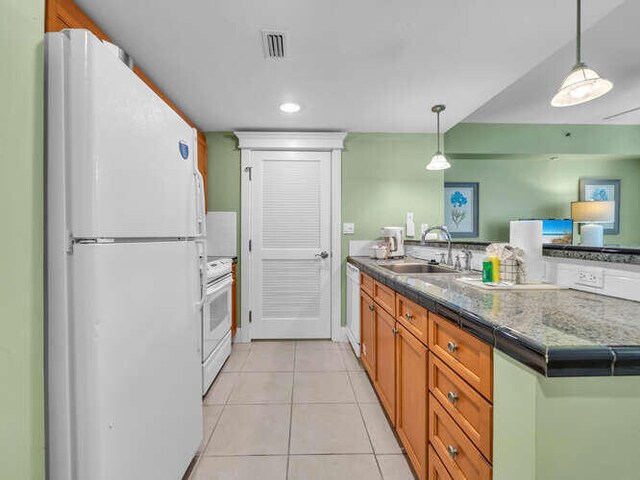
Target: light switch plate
348, 228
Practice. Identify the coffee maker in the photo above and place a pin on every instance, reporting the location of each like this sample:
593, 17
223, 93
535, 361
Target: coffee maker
392, 239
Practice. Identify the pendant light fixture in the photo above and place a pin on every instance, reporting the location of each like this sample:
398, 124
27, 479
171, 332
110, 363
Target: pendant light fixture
438, 161
582, 84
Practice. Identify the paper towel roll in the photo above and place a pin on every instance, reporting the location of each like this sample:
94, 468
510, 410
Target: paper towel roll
527, 235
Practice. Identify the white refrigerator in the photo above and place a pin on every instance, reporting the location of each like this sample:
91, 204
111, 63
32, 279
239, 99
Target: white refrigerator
125, 248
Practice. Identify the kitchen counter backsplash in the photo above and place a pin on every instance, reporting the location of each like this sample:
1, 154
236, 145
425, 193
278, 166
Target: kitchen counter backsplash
608, 253
558, 333
621, 280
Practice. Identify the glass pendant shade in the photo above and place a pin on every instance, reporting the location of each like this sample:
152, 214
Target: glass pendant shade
438, 162
581, 85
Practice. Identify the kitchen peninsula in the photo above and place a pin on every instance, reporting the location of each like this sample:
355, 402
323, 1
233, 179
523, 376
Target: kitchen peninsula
479, 376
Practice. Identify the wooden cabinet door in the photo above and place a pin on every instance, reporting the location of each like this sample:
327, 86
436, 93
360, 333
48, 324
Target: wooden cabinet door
368, 334
385, 381
411, 398
234, 308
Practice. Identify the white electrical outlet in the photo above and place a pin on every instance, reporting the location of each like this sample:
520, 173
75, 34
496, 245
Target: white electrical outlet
591, 277
348, 228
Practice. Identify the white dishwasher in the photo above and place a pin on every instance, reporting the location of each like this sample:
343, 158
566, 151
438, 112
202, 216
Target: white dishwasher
353, 307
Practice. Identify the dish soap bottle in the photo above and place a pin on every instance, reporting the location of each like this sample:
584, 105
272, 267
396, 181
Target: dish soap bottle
487, 274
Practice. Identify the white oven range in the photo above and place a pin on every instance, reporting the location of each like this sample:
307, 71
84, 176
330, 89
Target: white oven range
216, 319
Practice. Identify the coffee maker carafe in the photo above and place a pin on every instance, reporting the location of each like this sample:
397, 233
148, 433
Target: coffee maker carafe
392, 239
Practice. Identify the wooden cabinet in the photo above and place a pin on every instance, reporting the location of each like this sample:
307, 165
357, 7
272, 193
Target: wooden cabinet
414, 317
203, 162
385, 297
435, 468
368, 334
460, 456
435, 382
366, 284
62, 14
385, 379
234, 301
469, 357
411, 398
467, 407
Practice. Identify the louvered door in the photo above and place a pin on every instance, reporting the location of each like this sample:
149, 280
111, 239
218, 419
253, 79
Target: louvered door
291, 221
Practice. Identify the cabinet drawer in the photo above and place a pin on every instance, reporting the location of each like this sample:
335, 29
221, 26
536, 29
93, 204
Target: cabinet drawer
385, 297
462, 459
437, 470
366, 283
466, 355
471, 412
413, 317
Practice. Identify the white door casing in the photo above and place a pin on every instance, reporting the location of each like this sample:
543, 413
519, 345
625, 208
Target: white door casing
290, 213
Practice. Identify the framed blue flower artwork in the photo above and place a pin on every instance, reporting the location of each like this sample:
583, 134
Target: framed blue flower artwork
461, 206
592, 189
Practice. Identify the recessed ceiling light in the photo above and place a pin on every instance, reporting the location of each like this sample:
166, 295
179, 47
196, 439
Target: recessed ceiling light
290, 107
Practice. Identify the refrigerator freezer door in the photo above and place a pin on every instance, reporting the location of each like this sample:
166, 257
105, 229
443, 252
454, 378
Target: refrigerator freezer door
130, 159
136, 371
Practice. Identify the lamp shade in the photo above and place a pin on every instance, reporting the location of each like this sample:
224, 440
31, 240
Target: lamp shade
438, 162
592, 212
581, 85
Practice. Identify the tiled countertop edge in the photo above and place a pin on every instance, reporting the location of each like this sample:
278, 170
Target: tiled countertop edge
609, 254
589, 361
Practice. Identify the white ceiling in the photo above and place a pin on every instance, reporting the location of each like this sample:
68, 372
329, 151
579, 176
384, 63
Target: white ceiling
611, 47
355, 65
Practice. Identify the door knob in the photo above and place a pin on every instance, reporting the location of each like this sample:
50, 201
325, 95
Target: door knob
323, 254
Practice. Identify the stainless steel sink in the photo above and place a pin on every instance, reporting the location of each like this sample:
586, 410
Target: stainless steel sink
417, 268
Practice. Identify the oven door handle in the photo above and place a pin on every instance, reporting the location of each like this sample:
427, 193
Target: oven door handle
217, 287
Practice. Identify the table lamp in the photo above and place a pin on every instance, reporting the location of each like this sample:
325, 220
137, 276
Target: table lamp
592, 215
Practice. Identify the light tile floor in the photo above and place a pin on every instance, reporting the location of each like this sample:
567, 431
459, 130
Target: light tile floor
293, 410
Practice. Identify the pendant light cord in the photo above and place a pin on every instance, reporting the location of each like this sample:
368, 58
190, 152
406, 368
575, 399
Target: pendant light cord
438, 129
578, 34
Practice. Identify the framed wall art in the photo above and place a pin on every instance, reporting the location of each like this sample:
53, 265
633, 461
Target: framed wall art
461, 206
593, 189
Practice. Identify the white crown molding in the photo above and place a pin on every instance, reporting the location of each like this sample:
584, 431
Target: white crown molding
318, 141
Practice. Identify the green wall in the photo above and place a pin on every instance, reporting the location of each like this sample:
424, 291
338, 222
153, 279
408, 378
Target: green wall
537, 187
557, 428
223, 184
491, 139
533, 171
21, 257
383, 177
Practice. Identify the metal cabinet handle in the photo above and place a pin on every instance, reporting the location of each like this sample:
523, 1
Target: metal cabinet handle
408, 316
453, 451
324, 254
372, 308
453, 398
394, 330
452, 347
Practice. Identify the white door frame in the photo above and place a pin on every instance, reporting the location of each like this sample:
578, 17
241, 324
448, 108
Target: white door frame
250, 142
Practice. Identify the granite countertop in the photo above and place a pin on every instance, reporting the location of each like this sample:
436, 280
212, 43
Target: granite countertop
557, 333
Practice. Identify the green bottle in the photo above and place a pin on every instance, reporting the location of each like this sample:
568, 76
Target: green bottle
487, 271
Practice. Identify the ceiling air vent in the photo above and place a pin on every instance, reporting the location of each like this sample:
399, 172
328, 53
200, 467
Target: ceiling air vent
275, 44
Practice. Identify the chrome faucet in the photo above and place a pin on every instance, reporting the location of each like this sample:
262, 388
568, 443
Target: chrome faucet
447, 237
